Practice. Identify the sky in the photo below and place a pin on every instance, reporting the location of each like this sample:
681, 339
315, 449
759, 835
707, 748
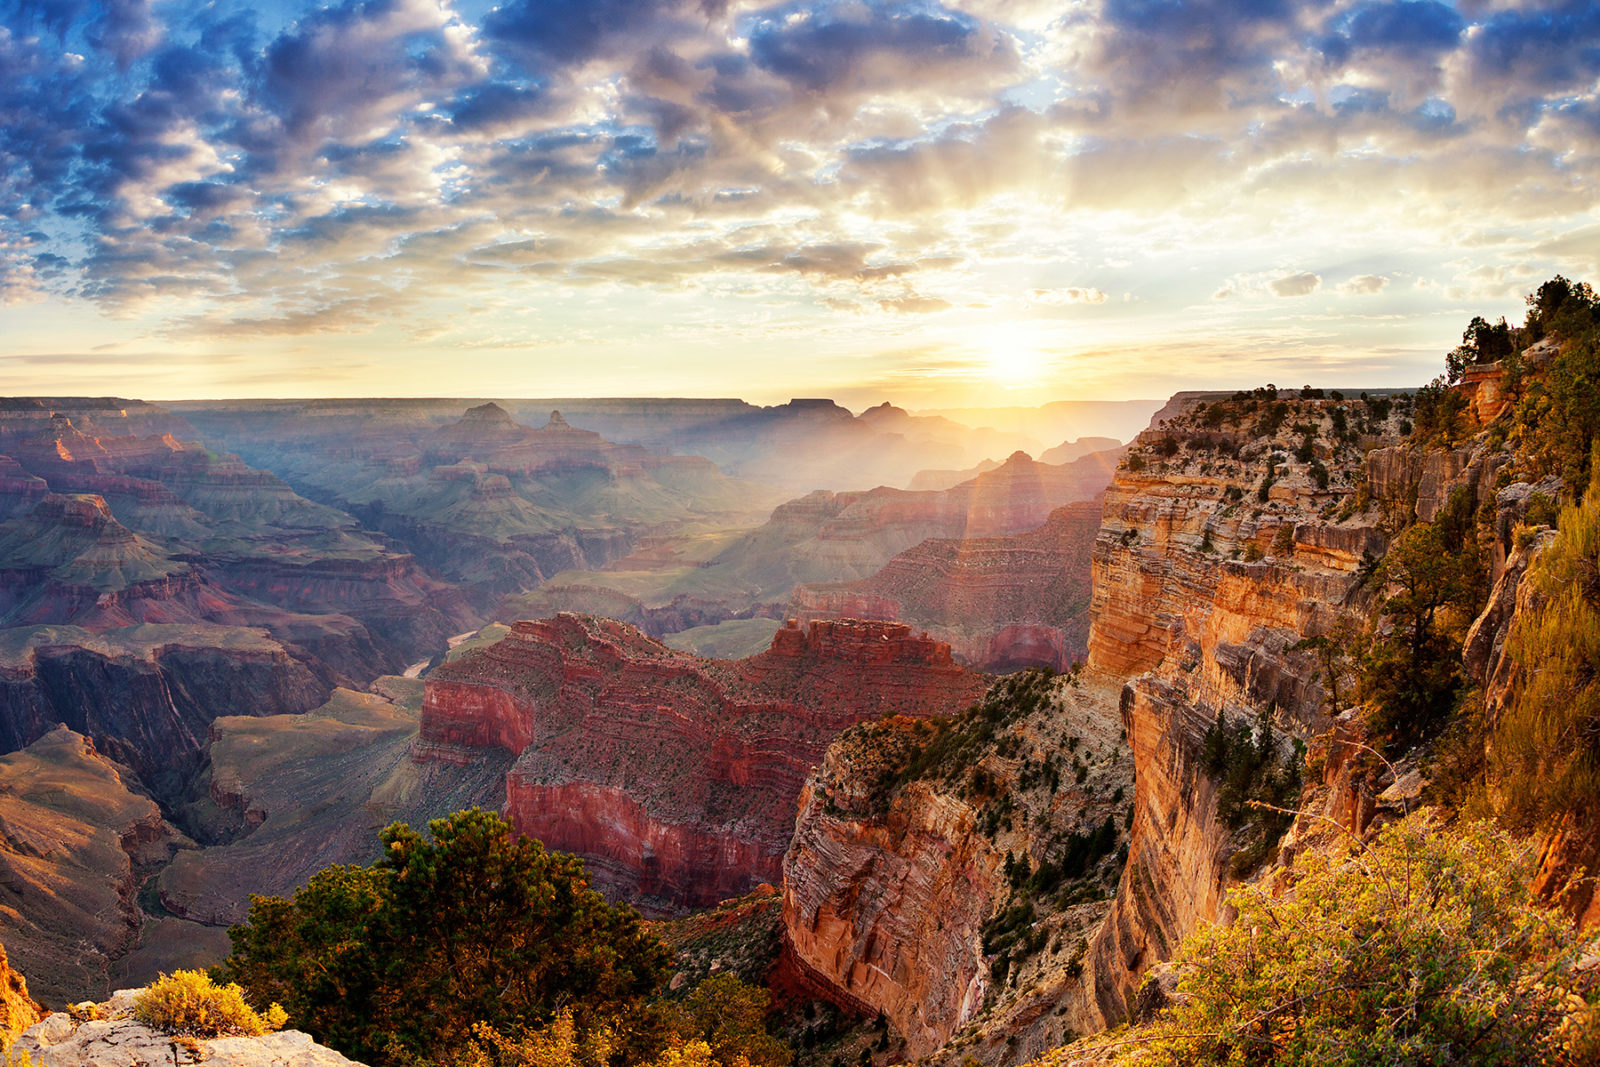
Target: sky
985, 202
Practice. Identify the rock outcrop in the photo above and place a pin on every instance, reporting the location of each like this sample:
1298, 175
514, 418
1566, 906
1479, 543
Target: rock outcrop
109, 1036
676, 777
1002, 603
936, 893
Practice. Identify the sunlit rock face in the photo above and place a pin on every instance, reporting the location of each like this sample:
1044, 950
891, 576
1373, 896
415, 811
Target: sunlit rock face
887, 888
1206, 574
676, 777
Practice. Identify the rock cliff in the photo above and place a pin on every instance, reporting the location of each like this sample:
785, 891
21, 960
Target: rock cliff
949, 877
674, 776
1002, 603
1235, 528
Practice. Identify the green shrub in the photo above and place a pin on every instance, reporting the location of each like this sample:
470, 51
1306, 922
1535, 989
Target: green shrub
1545, 760
1426, 947
189, 1002
399, 961
1252, 772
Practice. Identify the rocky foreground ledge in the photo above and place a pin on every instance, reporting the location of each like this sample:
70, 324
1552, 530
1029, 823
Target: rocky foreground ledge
107, 1035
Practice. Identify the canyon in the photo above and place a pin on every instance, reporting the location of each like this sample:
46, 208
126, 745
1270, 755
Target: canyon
1235, 529
822, 537
675, 777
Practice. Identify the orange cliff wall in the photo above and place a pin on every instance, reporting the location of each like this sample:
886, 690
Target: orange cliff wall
1199, 632
676, 776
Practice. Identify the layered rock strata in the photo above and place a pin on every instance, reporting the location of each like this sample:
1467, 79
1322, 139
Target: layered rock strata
1223, 546
902, 876
676, 777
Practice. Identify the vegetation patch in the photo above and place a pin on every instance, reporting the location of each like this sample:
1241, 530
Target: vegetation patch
190, 1003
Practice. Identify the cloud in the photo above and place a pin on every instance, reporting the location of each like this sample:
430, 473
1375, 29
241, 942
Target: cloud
1364, 285
860, 48
1067, 296
220, 167
1302, 284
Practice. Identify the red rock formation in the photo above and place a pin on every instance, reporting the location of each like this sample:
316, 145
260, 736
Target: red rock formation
675, 776
1001, 602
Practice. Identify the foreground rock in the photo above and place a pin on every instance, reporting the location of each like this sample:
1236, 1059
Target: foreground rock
676, 777
113, 1038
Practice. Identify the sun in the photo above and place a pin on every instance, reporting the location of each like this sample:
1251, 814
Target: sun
1012, 355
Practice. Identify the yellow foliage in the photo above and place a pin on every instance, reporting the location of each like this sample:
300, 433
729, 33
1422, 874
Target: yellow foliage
557, 1045
696, 1053
189, 1002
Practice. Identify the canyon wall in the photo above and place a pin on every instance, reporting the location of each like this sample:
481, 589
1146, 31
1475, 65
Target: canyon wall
676, 777
902, 889
1236, 528
1224, 549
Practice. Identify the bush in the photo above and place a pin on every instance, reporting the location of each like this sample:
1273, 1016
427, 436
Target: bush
1425, 948
402, 960
189, 1002
1545, 760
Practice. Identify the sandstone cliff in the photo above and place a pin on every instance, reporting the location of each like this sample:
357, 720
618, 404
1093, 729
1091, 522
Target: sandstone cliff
674, 776
1236, 528
950, 877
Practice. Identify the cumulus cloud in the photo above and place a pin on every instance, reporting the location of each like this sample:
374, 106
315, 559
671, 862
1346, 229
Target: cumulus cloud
1364, 285
1303, 283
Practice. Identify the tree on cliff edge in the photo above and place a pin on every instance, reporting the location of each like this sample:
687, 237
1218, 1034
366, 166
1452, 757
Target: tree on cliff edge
398, 962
